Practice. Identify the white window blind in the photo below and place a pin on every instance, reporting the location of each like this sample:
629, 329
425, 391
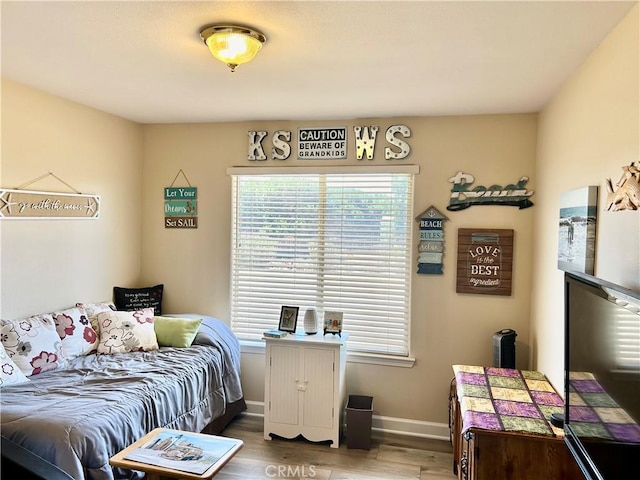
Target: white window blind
333, 241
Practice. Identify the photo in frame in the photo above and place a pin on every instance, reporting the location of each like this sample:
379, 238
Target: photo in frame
333, 322
288, 319
577, 230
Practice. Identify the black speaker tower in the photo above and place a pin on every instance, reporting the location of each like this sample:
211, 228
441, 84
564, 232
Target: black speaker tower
504, 349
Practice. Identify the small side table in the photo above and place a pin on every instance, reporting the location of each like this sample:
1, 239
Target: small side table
305, 386
159, 472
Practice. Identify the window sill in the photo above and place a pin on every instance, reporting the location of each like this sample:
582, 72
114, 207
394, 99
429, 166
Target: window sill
352, 357
247, 346
379, 359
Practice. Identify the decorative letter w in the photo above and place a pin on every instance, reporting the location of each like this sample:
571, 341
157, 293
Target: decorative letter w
364, 142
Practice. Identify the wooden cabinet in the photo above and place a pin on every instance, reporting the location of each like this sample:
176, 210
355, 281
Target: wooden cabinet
498, 455
304, 387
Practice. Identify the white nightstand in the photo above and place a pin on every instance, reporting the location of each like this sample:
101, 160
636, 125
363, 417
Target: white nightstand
304, 392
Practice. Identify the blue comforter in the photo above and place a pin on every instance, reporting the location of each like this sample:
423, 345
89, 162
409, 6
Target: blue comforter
79, 416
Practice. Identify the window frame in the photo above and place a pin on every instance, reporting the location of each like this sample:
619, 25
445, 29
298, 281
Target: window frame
380, 357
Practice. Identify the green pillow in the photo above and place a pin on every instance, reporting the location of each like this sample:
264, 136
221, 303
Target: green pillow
176, 332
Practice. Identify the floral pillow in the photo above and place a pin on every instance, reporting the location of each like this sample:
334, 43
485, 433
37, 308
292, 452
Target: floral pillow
122, 332
10, 374
93, 309
77, 335
32, 343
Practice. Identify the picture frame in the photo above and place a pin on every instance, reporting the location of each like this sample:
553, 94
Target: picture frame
577, 222
288, 319
333, 322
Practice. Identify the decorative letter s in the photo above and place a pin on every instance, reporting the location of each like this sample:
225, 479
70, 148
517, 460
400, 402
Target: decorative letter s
281, 149
404, 147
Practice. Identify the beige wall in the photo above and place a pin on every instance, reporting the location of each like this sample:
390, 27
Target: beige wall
586, 134
51, 264
446, 327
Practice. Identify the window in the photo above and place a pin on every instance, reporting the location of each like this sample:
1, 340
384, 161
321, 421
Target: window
333, 239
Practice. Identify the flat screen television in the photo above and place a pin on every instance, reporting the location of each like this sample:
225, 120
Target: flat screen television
602, 376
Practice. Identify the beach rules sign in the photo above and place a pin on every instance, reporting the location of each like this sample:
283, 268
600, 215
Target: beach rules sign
431, 247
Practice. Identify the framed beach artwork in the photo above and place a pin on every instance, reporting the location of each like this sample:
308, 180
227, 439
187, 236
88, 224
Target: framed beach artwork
577, 230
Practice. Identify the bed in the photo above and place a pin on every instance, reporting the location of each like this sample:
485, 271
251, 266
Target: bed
80, 415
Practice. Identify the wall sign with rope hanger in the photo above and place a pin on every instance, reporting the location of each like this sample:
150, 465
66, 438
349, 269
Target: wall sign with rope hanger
180, 205
24, 204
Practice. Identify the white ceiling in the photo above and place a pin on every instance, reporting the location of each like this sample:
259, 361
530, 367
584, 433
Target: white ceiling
145, 61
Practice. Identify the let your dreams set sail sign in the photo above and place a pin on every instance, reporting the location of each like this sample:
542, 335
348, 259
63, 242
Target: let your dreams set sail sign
180, 205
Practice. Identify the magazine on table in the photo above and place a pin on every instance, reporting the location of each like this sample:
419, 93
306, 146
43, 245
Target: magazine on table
184, 451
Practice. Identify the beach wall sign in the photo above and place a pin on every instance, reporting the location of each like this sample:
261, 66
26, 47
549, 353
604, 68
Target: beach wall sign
431, 246
462, 196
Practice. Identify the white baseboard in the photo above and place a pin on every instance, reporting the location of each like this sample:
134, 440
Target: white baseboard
407, 426
399, 426
254, 408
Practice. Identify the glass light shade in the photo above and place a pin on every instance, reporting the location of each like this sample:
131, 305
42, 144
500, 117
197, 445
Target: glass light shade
233, 48
232, 44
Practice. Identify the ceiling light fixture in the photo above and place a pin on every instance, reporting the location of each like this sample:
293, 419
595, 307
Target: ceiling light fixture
233, 44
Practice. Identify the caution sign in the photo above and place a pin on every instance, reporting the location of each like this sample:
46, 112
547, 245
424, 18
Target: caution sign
322, 143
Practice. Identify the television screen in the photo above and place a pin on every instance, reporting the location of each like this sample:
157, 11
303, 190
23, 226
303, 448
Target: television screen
602, 376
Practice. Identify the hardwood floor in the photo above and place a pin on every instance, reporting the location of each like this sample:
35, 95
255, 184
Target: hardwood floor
391, 457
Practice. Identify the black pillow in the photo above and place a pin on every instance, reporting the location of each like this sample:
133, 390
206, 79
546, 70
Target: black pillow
138, 298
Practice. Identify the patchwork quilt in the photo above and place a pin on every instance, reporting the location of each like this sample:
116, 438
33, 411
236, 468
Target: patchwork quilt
505, 399
595, 414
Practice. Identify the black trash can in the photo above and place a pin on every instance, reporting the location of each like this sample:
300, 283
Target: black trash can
359, 413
